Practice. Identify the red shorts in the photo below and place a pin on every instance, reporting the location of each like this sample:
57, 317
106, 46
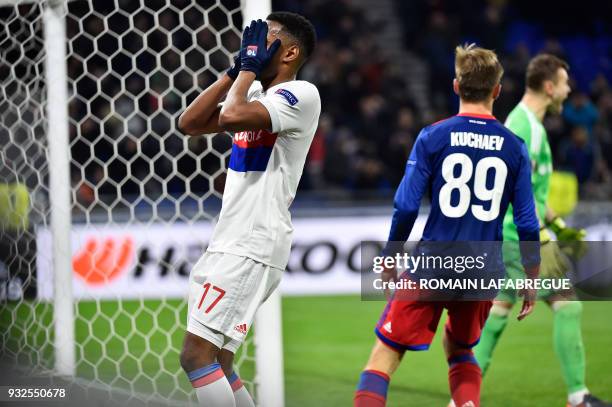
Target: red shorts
411, 325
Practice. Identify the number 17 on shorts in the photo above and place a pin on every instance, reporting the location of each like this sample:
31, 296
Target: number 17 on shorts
213, 299
225, 292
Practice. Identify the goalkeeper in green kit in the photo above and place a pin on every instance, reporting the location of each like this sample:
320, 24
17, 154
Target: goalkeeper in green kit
546, 89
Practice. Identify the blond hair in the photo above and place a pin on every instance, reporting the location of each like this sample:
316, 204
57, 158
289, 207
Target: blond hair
477, 71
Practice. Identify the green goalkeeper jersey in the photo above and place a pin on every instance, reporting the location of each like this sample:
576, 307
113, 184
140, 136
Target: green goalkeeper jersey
525, 124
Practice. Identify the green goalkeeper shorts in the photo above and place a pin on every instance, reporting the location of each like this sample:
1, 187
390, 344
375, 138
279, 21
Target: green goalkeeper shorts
554, 264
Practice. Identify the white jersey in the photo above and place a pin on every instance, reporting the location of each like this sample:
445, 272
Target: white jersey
263, 175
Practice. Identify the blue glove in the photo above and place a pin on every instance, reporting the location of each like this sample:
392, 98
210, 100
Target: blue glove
254, 53
234, 69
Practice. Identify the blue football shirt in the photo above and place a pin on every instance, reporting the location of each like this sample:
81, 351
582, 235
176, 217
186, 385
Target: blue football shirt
474, 168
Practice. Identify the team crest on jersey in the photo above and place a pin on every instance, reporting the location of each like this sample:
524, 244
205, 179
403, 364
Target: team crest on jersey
251, 50
290, 97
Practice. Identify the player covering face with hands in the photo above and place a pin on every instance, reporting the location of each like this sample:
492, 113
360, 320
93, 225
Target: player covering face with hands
273, 118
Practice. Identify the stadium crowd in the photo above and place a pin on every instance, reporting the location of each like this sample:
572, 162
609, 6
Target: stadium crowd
369, 128
130, 84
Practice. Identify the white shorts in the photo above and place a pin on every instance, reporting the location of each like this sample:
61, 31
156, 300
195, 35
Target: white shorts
225, 291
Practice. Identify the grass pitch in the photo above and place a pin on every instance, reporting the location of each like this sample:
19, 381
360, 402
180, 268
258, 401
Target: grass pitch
328, 340
134, 345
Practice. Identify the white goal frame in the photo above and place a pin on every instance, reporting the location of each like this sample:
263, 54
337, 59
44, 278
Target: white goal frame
269, 375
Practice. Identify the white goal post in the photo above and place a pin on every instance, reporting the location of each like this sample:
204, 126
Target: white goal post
59, 184
87, 84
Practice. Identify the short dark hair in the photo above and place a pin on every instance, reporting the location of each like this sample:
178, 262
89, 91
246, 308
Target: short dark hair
298, 27
543, 67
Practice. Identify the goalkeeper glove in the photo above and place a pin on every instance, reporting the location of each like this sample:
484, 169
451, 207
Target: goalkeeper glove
254, 53
571, 240
553, 263
544, 235
565, 233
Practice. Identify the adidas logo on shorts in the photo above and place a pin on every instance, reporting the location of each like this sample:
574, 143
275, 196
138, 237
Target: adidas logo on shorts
242, 328
387, 327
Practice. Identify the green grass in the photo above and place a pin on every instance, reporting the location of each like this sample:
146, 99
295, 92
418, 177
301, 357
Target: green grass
328, 340
135, 344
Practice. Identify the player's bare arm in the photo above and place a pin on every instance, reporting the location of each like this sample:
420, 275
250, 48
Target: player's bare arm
529, 295
202, 115
550, 214
238, 114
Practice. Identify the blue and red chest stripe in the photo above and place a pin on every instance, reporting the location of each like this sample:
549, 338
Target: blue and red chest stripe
251, 150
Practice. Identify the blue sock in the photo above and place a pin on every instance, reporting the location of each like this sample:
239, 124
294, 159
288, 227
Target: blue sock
372, 389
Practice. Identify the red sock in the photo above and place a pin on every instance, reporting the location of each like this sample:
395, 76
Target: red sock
464, 377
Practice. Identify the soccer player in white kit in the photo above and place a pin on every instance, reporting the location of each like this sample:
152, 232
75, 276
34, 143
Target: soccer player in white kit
273, 117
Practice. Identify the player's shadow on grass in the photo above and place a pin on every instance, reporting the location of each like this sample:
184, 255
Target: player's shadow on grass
442, 396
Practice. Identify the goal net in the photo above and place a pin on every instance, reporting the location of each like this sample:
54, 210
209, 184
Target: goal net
93, 283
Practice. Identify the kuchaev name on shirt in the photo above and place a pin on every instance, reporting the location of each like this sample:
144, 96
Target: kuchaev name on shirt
475, 140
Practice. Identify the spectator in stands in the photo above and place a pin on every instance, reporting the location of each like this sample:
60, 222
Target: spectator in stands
580, 111
124, 100
579, 155
599, 88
